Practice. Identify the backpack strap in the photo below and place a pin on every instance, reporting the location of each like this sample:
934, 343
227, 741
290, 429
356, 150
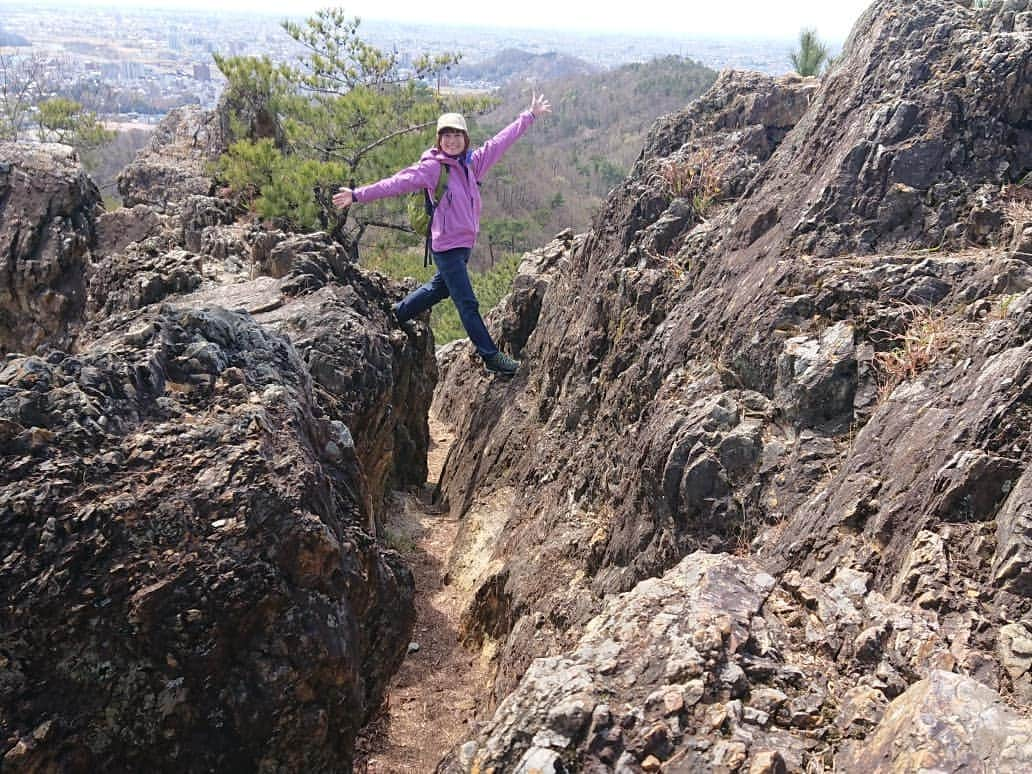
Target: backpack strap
431, 207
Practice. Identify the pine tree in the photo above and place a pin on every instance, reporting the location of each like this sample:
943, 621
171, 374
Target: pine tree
811, 54
343, 113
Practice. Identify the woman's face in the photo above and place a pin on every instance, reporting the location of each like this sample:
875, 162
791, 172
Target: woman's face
452, 141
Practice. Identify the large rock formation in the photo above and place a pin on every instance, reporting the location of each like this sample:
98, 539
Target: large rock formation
828, 369
177, 162
716, 666
194, 454
47, 211
186, 579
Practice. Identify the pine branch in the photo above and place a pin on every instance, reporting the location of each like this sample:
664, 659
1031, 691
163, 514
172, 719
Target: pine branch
383, 140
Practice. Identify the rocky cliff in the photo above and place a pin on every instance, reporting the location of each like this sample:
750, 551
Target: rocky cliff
199, 420
758, 498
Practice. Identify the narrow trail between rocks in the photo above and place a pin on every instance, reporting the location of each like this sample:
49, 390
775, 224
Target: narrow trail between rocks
430, 704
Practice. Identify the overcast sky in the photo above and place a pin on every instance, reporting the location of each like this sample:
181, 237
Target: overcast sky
833, 19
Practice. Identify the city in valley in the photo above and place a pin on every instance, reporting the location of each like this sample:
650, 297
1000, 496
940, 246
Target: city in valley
131, 66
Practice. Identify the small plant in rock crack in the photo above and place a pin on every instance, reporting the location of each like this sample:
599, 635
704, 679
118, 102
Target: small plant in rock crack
929, 335
695, 177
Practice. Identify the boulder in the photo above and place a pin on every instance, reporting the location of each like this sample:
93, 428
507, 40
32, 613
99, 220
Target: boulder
47, 211
194, 464
187, 582
368, 374
945, 722
176, 164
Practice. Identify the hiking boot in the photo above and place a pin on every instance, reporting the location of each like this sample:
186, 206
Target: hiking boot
500, 363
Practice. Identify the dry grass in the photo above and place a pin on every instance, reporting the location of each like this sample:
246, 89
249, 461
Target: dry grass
930, 336
696, 177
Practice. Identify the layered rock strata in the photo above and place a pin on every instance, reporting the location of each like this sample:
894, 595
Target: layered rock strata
822, 363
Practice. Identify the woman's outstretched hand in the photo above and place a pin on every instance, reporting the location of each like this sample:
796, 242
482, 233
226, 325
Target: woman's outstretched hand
343, 198
539, 105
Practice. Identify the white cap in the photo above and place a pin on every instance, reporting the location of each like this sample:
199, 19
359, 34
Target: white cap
451, 121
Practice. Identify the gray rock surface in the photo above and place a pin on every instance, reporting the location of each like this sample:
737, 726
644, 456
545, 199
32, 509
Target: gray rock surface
47, 211
828, 369
177, 163
717, 666
946, 722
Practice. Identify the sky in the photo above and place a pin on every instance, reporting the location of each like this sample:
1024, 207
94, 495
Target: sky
832, 19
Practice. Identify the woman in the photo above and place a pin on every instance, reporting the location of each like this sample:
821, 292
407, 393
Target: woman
456, 221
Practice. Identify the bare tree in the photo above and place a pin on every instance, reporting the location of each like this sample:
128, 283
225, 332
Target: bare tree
21, 84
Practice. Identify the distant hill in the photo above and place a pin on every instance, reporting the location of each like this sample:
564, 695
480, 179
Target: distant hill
558, 175
513, 63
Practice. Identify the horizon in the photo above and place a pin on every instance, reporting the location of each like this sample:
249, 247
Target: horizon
734, 20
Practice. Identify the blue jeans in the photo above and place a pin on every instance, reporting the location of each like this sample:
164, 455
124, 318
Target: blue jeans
451, 279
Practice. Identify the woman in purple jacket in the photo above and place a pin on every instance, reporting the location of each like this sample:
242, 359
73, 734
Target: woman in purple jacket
456, 221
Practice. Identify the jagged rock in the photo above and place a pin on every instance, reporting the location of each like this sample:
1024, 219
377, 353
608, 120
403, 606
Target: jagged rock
517, 319
1012, 569
817, 378
946, 450
186, 579
176, 164
758, 662
897, 173
763, 380
666, 632
47, 211
199, 217
718, 143
946, 722
120, 228
140, 275
372, 377
190, 570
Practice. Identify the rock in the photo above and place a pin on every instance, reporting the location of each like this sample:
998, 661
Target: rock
118, 229
539, 760
259, 487
860, 710
767, 762
945, 722
817, 380
1012, 566
48, 208
1015, 646
821, 373
180, 591
643, 632
729, 756
176, 163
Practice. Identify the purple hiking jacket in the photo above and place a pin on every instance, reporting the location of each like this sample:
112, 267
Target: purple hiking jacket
457, 219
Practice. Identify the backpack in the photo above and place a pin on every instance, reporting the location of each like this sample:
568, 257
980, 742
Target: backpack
421, 208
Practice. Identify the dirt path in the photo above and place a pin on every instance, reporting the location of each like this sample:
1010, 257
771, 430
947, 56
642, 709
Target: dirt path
431, 700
